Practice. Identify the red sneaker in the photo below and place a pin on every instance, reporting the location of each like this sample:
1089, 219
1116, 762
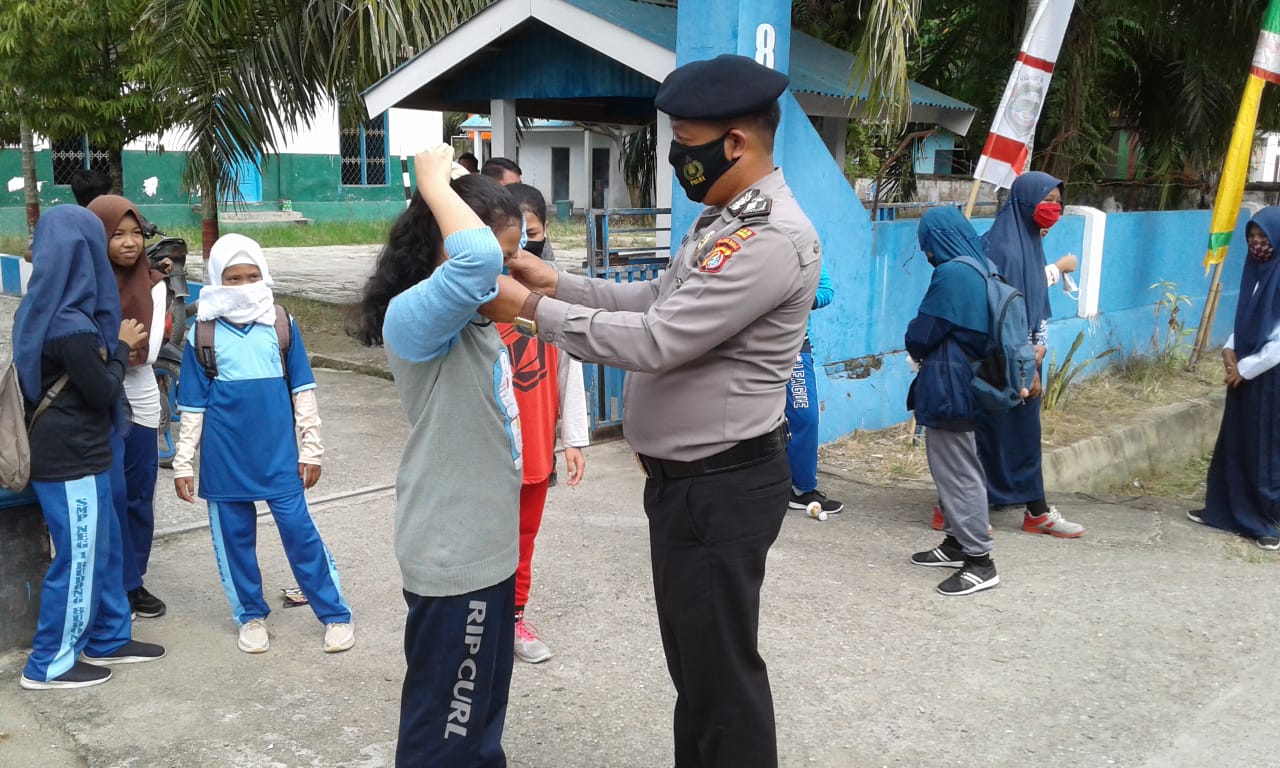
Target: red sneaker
1052, 523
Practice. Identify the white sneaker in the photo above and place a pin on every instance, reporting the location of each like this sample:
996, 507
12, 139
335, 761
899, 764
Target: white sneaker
339, 636
253, 636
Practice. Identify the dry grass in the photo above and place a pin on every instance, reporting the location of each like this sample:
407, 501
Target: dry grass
1184, 483
881, 457
1090, 407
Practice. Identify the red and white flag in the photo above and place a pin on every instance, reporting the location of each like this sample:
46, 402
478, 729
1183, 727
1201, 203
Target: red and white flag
1005, 154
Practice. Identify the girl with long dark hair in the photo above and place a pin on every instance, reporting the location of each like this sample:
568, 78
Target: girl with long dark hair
458, 488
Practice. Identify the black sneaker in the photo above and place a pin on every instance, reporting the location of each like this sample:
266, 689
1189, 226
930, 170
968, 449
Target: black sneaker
969, 579
1270, 543
145, 604
132, 652
803, 500
1194, 515
945, 555
81, 675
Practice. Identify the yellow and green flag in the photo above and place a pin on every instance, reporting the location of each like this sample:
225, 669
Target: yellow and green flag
1266, 69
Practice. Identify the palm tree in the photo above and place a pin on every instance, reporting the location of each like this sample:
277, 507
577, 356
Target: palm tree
243, 72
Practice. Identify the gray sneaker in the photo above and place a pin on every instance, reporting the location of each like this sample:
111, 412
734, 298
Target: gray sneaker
529, 647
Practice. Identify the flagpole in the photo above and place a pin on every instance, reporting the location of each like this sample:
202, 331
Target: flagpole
1206, 320
973, 198
1235, 169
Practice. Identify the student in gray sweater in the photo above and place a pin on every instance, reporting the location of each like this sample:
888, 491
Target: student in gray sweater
458, 488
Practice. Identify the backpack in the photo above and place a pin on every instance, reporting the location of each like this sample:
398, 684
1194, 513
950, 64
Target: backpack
1008, 365
209, 360
15, 450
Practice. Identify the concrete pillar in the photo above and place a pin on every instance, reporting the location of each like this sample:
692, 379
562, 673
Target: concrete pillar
502, 115
586, 169
664, 178
834, 130
762, 32
1091, 251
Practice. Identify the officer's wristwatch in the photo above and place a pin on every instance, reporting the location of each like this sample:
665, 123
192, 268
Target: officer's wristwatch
526, 323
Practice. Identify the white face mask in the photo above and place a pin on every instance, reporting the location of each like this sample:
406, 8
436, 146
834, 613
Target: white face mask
239, 304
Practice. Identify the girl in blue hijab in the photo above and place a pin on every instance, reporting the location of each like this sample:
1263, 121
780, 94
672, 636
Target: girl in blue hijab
1243, 488
1009, 440
948, 334
71, 350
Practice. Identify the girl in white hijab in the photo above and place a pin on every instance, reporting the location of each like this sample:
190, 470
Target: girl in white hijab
260, 441
240, 303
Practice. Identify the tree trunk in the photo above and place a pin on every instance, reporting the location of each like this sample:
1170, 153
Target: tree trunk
208, 182
208, 218
115, 169
31, 188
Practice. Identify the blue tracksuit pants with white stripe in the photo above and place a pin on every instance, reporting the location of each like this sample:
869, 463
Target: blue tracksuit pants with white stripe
83, 606
802, 420
234, 527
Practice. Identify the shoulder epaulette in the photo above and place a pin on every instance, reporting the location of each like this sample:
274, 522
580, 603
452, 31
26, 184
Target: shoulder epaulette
752, 204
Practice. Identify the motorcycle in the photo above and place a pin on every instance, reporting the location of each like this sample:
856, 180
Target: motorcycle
169, 361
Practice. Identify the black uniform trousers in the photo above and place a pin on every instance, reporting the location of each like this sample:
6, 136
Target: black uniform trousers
709, 536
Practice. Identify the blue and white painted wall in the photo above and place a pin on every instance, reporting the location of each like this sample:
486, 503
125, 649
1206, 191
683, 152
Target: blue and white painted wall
14, 274
858, 340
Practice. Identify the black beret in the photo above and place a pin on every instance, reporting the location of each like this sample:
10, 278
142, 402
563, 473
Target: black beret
720, 88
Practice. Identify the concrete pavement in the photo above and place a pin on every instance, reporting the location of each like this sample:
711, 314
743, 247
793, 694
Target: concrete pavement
336, 273
1144, 644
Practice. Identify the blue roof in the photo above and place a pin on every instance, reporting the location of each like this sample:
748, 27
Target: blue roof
655, 22
816, 67
556, 75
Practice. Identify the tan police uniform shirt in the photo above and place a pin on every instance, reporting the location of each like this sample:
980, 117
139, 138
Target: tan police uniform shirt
710, 344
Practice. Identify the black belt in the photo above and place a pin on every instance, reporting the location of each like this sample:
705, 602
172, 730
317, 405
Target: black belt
743, 454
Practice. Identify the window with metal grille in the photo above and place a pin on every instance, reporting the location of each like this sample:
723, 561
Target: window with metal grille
70, 155
363, 152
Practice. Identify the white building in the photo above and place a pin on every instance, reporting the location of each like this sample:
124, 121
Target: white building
554, 156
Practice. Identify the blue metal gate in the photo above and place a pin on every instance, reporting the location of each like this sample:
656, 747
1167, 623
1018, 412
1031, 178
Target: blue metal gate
609, 259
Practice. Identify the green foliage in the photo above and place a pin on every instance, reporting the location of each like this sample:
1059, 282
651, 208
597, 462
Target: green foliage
639, 150
882, 34
1169, 347
319, 233
864, 150
1061, 376
1168, 72
73, 67
244, 73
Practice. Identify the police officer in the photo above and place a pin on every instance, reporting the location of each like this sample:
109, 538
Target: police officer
709, 348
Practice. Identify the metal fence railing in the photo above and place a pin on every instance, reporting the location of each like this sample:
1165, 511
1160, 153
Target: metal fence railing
625, 245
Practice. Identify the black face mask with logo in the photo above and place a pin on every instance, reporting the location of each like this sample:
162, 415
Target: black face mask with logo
698, 167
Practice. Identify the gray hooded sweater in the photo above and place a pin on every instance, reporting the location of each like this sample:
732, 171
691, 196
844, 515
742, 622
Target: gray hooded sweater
458, 488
